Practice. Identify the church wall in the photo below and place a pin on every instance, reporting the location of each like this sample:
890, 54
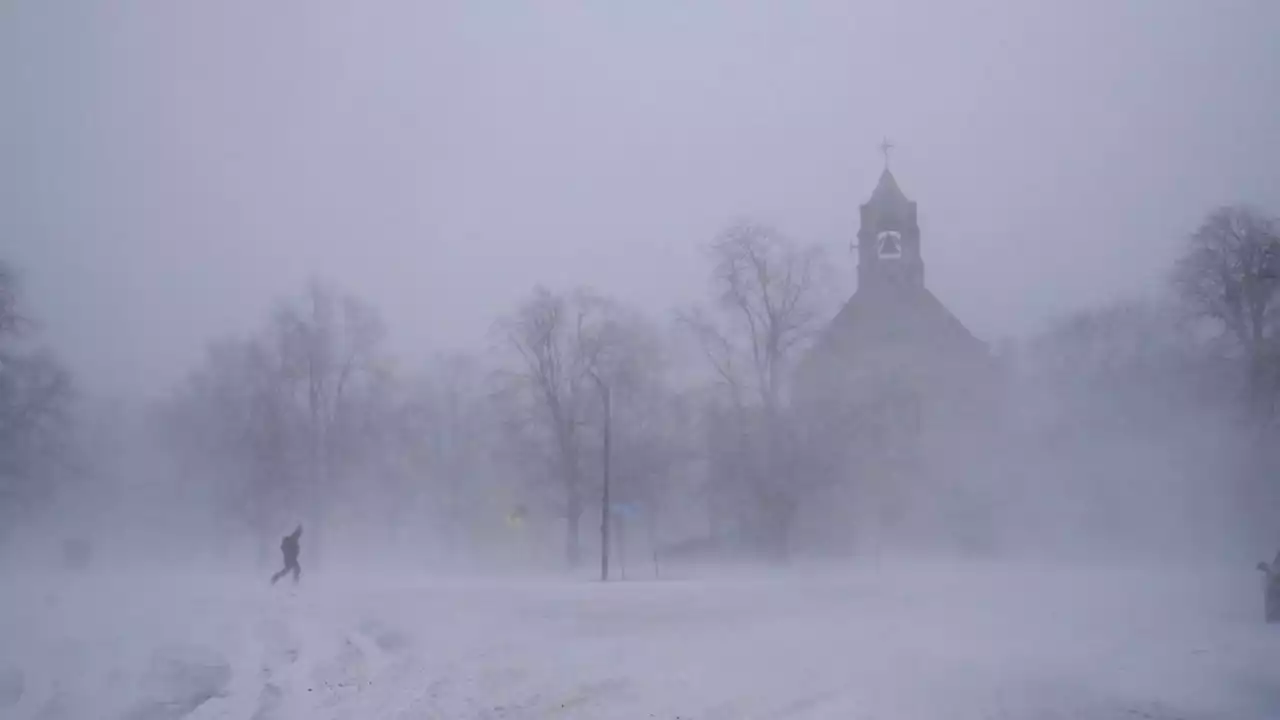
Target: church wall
915, 463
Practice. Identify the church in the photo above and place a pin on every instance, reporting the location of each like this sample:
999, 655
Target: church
905, 398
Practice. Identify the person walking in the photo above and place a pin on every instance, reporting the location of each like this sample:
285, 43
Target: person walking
1271, 589
290, 546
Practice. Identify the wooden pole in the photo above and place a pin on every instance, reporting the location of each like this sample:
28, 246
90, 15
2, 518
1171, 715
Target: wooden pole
604, 504
622, 545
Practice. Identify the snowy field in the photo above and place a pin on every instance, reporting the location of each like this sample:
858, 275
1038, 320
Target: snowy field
893, 642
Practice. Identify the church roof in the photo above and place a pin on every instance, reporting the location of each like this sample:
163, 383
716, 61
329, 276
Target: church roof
912, 315
887, 193
908, 323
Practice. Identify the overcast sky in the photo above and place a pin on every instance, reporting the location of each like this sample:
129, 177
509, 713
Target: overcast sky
169, 170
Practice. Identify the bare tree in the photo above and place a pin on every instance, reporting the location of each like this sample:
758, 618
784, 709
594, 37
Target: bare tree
35, 410
1119, 369
655, 445
447, 435
565, 350
549, 386
283, 419
35, 428
224, 430
772, 297
1116, 409
331, 347
639, 428
12, 321
1231, 274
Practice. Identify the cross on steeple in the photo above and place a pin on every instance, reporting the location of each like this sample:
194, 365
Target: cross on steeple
885, 147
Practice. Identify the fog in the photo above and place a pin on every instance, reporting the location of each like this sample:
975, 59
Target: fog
423, 153
716, 360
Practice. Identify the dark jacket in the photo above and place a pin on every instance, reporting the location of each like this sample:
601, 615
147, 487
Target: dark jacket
290, 545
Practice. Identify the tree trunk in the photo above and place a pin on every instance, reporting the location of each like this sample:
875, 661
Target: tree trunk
573, 545
1262, 386
651, 523
779, 517
779, 508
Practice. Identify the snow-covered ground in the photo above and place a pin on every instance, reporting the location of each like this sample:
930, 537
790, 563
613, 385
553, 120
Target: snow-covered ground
890, 642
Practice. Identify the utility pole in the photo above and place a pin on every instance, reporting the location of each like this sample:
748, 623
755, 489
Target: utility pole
604, 503
622, 544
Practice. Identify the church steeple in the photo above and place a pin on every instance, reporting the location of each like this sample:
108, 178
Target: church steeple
887, 193
889, 239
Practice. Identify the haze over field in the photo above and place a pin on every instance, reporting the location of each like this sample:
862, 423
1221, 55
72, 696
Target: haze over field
890, 360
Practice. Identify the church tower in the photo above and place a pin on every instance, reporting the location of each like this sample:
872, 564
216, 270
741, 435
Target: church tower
889, 239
